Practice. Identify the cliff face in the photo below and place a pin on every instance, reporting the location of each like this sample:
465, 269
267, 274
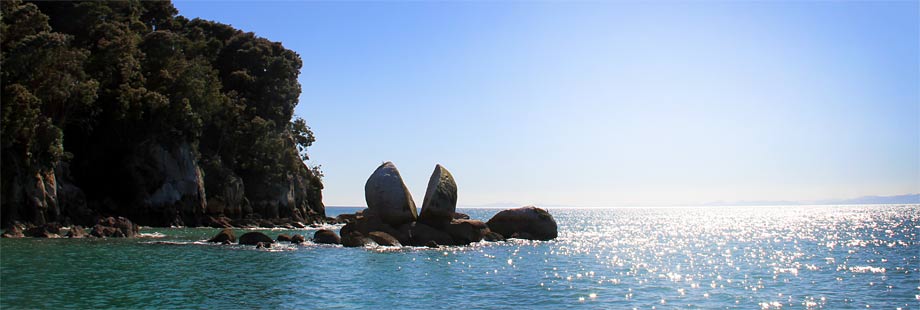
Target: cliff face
128, 109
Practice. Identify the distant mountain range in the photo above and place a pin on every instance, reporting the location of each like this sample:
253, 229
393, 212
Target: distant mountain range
898, 199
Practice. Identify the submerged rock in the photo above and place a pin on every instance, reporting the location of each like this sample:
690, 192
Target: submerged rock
225, 235
326, 236
527, 222
440, 199
383, 238
254, 238
387, 196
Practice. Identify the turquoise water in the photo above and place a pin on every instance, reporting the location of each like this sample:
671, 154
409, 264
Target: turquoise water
813, 257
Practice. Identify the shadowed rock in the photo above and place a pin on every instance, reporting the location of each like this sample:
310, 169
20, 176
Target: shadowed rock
284, 237
254, 238
466, 231
388, 197
526, 222
383, 238
297, 239
354, 239
115, 227
420, 234
440, 199
326, 236
49, 230
493, 237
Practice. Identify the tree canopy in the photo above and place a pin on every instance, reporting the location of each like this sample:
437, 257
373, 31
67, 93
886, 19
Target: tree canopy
84, 83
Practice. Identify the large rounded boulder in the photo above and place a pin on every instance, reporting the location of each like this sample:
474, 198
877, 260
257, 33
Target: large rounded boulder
254, 238
388, 197
526, 223
440, 198
226, 235
325, 236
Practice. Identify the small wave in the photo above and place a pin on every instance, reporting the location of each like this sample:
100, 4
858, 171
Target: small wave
867, 269
308, 228
152, 235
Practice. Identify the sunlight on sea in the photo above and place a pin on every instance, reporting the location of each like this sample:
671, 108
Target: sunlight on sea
811, 257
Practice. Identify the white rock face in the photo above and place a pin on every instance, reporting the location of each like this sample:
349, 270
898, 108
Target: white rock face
387, 196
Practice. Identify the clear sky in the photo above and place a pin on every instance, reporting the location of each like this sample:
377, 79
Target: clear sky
606, 103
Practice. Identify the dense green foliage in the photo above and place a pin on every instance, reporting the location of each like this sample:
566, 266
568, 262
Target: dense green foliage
86, 83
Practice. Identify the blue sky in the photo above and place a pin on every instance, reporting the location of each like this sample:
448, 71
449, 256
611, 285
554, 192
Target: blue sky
606, 103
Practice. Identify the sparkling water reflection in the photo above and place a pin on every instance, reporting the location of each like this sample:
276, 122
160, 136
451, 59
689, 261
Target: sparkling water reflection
813, 257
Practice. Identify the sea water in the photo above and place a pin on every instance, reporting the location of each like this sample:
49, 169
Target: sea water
798, 257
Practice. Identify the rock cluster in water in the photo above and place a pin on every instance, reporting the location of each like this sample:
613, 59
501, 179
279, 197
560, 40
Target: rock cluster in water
390, 217
106, 227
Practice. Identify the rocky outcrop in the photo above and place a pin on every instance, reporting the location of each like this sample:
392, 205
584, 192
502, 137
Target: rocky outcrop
49, 230
388, 197
325, 236
440, 202
525, 223
117, 227
226, 235
297, 239
255, 237
167, 185
77, 232
14, 231
284, 237
157, 185
29, 195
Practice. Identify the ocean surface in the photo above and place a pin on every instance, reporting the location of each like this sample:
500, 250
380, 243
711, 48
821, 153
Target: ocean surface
791, 257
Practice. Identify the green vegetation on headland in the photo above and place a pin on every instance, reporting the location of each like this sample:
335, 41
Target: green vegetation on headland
125, 108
